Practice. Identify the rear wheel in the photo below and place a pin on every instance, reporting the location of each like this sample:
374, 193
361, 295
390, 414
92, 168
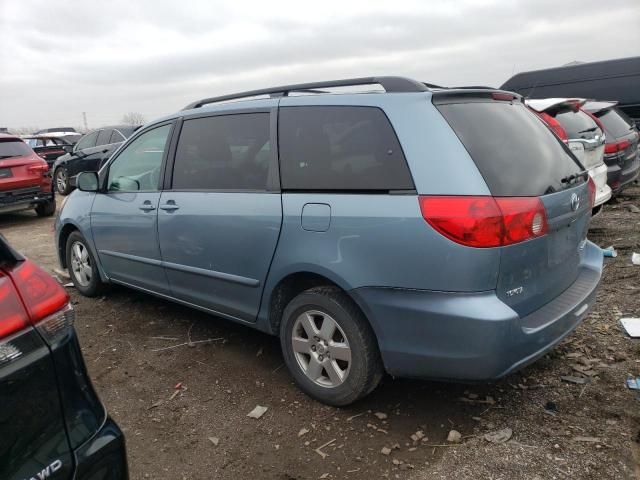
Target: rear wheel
329, 347
46, 209
61, 180
82, 266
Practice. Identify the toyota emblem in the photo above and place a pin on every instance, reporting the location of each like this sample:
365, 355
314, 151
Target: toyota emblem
575, 202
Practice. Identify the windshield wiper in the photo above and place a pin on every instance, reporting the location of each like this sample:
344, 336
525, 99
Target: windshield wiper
8, 156
588, 130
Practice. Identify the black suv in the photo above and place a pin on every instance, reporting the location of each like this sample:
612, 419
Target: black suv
88, 155
52, 424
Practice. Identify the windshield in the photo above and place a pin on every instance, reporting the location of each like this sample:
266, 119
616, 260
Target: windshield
515, 152
14, 148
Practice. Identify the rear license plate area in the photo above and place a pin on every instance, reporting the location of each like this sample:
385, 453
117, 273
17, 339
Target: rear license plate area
5, 173
563, 246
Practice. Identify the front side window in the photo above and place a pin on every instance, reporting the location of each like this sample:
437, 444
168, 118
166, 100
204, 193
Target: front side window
340, 148
87, 141
227, 152
137, 167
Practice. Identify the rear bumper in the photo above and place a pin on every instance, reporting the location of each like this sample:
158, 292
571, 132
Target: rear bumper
104, 456
472, 336
603, 191
23, 199
620, 178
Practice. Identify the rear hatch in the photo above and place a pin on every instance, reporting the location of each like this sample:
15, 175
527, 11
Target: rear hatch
33, 438
19, 165
622, 137
519, 156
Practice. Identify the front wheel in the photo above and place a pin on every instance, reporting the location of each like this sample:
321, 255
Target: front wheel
329, 347
82, 266
61, 180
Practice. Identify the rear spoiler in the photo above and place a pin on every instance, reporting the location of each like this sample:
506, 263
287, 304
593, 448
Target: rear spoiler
555, 105
596, 106
473, 94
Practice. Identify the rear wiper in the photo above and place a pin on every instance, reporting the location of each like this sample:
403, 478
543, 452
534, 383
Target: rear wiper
588, 130
570, 179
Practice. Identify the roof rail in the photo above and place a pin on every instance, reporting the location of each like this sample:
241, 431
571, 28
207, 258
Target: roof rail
390, 84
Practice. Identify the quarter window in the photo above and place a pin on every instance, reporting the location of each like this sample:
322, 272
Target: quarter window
227, 152
137, 167
340, 148
116, 137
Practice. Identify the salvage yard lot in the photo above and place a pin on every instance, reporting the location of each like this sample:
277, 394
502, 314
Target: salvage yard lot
180, 384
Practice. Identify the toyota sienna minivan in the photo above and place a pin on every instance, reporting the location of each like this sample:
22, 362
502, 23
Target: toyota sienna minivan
424, 232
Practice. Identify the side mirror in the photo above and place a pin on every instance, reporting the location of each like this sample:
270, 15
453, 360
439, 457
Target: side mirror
88, 182
67, 148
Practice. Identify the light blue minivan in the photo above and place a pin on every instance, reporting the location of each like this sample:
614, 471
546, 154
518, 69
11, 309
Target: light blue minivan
393, 227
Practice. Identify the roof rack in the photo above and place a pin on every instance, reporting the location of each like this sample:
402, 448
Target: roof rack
390, 84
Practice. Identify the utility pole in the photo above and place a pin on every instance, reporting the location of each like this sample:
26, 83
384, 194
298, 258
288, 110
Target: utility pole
84, 119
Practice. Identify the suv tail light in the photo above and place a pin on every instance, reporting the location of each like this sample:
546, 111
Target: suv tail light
554, 125
592, 192
483, 221
30, 296
611, 148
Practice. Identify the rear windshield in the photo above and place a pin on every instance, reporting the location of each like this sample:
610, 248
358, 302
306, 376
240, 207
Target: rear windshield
615, 123
577, 124
515, 152
13, 148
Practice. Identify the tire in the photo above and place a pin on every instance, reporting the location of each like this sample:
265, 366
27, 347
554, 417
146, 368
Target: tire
46, 209
319, 365
82, 267
61, 181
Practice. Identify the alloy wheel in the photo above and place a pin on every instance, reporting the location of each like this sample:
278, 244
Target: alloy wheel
81, 264
321, 348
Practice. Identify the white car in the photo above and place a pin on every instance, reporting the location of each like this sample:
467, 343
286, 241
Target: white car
582, 133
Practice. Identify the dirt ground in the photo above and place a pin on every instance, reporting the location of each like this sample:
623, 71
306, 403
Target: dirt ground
184, 408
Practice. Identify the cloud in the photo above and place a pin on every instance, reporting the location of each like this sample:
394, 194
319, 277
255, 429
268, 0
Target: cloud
156, 56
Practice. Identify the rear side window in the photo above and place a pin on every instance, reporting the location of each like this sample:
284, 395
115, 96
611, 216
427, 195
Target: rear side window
14, 148
515, 152
577, 124
87, 141
228, 152
616, 124
340, 148
104, 137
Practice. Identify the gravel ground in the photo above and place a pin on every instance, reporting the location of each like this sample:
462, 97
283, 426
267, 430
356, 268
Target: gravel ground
180, 384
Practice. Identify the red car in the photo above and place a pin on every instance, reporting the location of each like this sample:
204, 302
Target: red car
25, 180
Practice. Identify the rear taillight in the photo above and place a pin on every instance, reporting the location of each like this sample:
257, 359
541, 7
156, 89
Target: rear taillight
40, 293
611, 148
554, 125
592, 192
13, 316
483, 221
38, 168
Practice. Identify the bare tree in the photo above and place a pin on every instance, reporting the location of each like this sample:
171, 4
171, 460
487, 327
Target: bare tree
133, 118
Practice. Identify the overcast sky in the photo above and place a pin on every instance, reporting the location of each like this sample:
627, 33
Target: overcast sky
61, 58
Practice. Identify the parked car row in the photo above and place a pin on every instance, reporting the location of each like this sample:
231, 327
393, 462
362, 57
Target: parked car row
321, 217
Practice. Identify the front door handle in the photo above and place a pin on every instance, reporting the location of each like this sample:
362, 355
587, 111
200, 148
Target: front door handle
170, 206
147, 207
